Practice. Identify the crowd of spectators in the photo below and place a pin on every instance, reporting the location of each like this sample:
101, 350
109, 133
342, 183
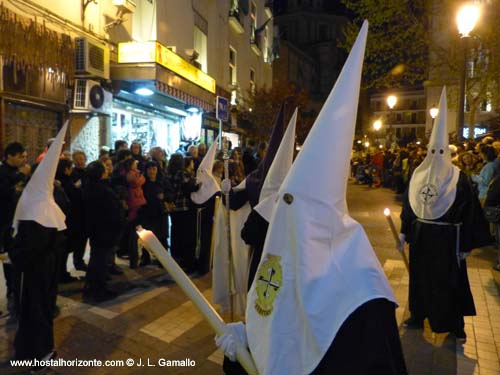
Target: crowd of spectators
105, 200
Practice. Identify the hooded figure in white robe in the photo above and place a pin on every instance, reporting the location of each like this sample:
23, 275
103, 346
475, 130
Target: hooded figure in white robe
442, 221
38, 222
242, 199
320, 302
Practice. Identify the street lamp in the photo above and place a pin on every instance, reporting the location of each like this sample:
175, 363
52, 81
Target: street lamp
391, 103
467, 17
377, 125
433, 112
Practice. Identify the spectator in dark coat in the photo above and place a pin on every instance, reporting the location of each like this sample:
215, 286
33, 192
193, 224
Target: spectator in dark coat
77, 238
11, 185
183, 238
159, 201
105, 219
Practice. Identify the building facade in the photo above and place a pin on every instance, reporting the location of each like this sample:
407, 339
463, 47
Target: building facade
405, 122
305, 26
144, 70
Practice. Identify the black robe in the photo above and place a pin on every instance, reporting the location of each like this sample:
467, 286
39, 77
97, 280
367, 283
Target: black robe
439, 286
367, 343
254, 234
34, 256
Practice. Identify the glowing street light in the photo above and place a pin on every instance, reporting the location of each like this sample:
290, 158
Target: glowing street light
367, 144
433, 112
377, 125
391, 101
467, 17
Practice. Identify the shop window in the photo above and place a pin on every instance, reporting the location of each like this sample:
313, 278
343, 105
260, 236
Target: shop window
200, 46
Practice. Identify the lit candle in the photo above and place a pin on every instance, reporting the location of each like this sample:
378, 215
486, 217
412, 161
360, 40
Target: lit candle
213, 318
388, 216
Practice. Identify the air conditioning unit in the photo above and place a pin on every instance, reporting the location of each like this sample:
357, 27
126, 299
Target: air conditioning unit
89, 96
91, 58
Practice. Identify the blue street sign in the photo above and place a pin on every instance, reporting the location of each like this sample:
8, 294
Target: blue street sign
222, 109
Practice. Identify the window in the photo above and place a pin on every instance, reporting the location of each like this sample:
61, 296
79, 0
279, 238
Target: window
253, 22
232, 74
252, 81
200, 46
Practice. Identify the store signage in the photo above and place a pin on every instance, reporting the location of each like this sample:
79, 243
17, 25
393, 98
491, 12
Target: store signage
222, 108
141, 52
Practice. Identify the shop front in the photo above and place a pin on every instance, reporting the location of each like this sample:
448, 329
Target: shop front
160, 99
33, 86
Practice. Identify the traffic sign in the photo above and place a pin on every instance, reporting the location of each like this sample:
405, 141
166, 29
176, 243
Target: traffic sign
222, 109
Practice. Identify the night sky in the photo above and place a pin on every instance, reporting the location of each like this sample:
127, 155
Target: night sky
330, 6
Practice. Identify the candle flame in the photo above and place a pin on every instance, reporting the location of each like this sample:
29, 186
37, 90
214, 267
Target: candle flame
387, 212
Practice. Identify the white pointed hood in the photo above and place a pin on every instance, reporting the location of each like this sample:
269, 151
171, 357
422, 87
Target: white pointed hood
279, 169
37, 200
433, 185
317, 266
209, 185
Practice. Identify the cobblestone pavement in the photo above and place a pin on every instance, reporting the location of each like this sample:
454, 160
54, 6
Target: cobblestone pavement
153, 322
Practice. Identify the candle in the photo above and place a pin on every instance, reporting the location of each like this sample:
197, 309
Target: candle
388, 216
213, 318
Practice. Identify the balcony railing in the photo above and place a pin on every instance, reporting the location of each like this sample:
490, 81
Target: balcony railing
255, 41
235, 21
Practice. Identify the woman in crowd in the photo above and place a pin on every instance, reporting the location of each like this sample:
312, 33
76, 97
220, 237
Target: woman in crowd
136, 150
183, 238
467, 163
159, 198
488, 154
135, 181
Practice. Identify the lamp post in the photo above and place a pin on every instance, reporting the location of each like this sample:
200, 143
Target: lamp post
377, 125
467, 18
433, 112
391, 103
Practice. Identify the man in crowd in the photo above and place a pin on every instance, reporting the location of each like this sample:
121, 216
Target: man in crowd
11, 186
77, 238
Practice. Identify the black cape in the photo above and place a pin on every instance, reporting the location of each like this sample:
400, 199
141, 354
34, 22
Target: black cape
34, 256
439, 286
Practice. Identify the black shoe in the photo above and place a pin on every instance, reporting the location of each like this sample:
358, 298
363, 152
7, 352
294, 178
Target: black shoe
460, 334
413, 323
67, 279
104, 296
56, 312
81, 267
39, 369
115, 270
144, 262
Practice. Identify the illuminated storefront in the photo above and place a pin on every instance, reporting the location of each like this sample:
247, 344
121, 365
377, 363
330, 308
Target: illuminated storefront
160, 98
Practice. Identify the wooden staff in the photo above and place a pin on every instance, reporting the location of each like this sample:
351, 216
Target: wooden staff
388, 216
213, 318
228, 233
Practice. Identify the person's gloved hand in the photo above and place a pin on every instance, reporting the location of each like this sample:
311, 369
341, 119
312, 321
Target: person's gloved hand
400, 246
226, 186
227, 342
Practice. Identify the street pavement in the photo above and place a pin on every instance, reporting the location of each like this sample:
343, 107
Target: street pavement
152, 323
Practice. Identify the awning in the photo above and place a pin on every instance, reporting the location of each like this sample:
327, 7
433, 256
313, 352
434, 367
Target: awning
161, 81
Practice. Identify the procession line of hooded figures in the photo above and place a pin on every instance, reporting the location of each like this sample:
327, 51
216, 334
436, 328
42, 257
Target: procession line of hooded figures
312, 291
